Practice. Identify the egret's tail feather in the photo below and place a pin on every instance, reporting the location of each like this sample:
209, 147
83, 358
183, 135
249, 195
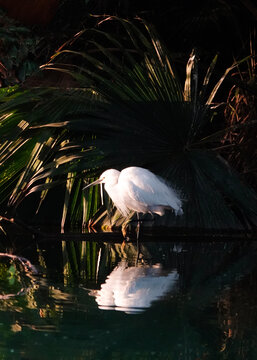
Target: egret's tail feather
179, 212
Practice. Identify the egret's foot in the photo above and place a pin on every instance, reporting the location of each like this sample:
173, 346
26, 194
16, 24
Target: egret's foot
125, 231
124, 243
126, 228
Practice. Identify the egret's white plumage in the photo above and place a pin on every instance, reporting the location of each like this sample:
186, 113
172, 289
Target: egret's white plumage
140, 190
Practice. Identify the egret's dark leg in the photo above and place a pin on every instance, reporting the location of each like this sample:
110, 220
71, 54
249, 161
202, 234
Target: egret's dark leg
138, 226
138, 232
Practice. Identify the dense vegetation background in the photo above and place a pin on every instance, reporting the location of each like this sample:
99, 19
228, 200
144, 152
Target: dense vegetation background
77, 101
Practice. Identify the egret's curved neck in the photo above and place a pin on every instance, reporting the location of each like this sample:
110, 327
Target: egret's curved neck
111, 185
111, 188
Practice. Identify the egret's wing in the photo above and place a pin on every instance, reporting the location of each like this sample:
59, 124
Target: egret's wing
142, 186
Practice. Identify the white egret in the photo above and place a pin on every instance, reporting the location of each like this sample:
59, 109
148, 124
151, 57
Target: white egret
138, 189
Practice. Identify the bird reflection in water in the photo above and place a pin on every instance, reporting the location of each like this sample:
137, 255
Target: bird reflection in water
133, 289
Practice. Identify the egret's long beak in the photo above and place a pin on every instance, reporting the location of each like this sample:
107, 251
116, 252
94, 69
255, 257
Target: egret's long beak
98, 181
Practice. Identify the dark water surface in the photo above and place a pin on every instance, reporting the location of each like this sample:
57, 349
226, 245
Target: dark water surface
91, 300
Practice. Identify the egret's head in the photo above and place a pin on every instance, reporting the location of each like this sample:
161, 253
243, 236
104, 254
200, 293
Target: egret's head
109, 177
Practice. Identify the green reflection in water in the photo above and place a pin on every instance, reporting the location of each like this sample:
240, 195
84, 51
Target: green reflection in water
207, 311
